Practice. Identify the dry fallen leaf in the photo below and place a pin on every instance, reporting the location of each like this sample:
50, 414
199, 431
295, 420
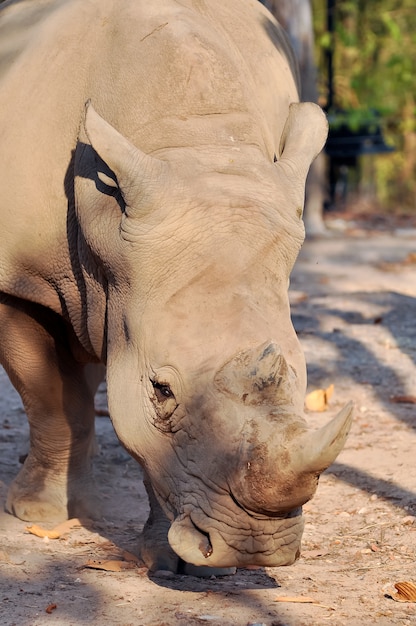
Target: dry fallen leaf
57, 532
406, 592
110, 566
410, 259
42, 532
403, 399
51, 608
318, 400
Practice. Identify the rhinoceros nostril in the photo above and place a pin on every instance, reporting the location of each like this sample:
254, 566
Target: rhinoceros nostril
205, 545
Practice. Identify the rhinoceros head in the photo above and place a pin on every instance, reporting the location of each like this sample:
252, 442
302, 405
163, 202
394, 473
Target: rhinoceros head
206, 379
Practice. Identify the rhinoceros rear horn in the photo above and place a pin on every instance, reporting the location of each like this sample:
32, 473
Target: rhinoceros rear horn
303, 138
260, 375
136, 171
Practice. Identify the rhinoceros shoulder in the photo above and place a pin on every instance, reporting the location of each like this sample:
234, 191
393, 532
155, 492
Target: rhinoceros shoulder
19, 22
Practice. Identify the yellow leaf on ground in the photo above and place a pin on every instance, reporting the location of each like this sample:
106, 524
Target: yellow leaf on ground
110, 566
318, 400
406, 592
58, 531
42, 532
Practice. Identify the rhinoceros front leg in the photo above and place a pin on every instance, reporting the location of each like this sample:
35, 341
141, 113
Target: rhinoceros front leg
155, 550
56, 480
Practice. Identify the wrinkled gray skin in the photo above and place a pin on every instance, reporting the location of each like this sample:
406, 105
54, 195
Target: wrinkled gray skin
152, 232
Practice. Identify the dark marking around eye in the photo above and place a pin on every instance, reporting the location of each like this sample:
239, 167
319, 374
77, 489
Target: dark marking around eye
162, 391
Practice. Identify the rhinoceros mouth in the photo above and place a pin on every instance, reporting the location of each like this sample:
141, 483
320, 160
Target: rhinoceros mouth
238, 539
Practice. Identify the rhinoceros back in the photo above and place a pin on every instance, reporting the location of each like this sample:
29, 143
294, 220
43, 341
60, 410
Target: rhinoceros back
165, 74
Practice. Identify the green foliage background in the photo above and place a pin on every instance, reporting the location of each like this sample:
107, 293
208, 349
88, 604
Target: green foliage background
375, 68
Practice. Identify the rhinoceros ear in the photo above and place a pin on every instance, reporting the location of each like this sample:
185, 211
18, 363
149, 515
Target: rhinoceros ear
303, 138
137, 173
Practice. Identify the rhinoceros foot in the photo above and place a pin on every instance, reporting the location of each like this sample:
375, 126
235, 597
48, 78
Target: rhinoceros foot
154, 548
40, 495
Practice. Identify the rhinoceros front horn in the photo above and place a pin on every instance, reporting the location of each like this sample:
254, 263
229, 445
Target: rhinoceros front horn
315, 451
280, 475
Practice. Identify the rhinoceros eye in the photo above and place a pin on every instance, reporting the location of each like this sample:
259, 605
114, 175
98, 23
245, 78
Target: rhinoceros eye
162, 391
164, 403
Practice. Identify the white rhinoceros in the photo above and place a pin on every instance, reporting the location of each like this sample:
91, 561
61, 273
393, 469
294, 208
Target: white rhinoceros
155, 234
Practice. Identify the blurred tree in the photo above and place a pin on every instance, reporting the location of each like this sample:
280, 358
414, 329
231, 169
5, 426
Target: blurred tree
374, 59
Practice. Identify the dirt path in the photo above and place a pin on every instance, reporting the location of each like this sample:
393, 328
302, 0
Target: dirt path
354, 306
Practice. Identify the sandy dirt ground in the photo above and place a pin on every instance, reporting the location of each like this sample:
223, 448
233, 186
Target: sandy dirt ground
354, 307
